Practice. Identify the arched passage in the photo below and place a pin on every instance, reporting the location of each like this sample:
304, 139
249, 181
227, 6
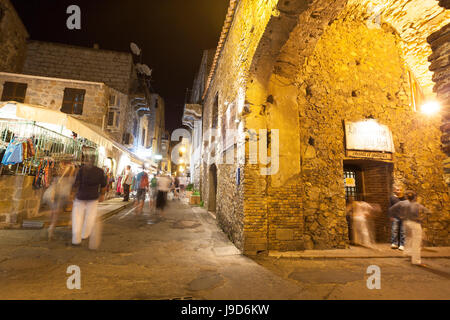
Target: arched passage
334, 61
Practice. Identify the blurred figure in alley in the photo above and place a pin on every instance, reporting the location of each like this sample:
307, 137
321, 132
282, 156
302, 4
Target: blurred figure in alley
359, 213
59, 194
411, 213
397, 226
126, 183
90, 184
164, 183
142, 184
183, 184
152, 193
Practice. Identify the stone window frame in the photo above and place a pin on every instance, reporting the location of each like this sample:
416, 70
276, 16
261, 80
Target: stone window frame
113, 118
126, 138
73, 101
14, 96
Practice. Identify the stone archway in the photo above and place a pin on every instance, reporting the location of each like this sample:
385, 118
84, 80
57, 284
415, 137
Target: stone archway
290, 38
440, 66
413, 20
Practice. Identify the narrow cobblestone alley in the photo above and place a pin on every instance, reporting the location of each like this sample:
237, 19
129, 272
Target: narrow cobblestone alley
184, 255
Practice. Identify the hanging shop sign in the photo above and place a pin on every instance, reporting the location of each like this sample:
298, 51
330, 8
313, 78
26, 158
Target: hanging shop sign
369, 155
368, 139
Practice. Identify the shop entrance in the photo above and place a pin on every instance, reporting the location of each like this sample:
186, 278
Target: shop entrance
371, 181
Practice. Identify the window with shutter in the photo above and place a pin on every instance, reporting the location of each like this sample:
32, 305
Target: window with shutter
126, 138
14, 91
110, 118
117, 119
112, 100
73, 101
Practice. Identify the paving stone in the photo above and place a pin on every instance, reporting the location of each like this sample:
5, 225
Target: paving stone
207, 281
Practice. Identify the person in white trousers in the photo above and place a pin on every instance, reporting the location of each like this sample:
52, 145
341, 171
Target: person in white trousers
411, 214
91, 184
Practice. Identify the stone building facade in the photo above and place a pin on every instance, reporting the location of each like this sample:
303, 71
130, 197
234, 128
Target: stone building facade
13, 39
302, 70
192, 116
157, 126
49, 59
49, 93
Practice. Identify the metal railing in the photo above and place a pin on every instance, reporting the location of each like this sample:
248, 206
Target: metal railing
47, 143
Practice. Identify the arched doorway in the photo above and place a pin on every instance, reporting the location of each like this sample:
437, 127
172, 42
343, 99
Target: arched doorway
212, 188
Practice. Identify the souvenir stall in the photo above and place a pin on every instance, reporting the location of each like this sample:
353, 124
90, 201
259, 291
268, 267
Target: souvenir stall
34, 141
31, 153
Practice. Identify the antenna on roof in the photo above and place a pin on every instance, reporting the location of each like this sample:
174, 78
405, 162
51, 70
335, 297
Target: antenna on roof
135, 49
144, 69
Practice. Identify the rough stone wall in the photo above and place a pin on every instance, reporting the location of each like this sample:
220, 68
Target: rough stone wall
320, 61
440, 65
13, 37
353, 74
50, 92
272, 103
71, 62
25, 200
228, 83
413, 20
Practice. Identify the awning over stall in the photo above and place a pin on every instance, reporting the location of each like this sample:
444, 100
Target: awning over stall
16, 110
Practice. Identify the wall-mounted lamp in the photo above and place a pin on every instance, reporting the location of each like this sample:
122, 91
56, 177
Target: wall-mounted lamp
430, 107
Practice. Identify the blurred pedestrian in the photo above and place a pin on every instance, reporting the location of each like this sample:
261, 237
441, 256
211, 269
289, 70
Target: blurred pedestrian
360, 213
183, 183
153, 192
397, 226
90, 185
142, 184
163, 187
176, 190
411, 213
61, 193
127, 181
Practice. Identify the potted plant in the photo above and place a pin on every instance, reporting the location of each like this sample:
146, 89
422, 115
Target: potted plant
189, 190
194, 199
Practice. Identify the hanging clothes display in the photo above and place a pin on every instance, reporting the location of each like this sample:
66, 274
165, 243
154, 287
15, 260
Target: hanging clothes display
13, 153
18, 151
44, 173
119, 186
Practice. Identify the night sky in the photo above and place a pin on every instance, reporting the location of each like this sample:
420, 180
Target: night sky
171, 33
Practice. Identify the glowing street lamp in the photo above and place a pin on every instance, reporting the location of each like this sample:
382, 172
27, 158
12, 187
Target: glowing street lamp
181, 169
183, 149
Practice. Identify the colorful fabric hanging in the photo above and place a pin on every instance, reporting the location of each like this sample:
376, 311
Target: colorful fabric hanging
13, 153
